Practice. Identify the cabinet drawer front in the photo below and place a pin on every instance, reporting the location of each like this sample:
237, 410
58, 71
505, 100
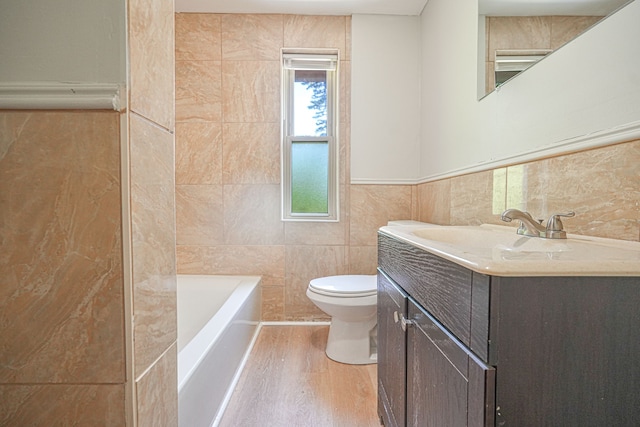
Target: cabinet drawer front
440, 286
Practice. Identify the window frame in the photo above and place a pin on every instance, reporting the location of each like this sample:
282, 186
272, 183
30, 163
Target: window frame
292, 60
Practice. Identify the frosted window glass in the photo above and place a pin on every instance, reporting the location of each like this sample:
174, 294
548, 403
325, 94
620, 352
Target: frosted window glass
309, 177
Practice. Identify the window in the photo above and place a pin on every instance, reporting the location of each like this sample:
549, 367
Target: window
309, 143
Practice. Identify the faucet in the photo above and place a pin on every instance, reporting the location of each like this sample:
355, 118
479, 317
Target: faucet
531, 227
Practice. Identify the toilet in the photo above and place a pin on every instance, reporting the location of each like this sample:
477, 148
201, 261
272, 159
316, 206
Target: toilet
351, 301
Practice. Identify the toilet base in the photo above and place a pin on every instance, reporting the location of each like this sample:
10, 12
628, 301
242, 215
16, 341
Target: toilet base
353, 343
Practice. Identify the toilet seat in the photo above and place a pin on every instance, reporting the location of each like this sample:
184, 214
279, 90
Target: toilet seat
345, 286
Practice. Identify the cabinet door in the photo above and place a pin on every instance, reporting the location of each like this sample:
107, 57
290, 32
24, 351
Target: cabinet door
447, 386
392, 304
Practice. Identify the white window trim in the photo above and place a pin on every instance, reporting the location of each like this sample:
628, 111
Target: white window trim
324, 60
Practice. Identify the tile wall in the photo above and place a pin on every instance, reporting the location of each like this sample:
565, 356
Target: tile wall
62, 357
601, 185
228, 162
530, 32
151, 164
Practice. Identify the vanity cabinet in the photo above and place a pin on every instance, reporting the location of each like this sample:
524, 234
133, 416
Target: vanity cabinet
482, 350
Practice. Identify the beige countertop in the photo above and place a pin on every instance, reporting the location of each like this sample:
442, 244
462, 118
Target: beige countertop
499, 251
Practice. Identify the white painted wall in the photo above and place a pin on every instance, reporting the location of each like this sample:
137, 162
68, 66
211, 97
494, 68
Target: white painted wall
62, 41
584, 95
385, 99
572, 99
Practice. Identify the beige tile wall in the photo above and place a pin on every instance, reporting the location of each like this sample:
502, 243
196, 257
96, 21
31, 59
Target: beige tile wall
228, 162
601, 185
62, 357
530, 32
152, 193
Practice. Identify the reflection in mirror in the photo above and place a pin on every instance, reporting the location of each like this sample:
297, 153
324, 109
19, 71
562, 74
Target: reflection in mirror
514, 35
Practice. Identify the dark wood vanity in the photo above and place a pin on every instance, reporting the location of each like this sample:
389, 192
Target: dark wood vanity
460, 348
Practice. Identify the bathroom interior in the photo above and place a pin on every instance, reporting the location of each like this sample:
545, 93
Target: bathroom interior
141, 140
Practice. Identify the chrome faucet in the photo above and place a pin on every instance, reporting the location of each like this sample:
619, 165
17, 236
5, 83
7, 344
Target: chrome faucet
533, 228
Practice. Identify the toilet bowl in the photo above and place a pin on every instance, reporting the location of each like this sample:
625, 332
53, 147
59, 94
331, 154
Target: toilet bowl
351, 301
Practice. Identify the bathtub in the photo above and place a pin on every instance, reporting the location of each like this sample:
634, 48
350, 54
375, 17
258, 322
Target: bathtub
218, 319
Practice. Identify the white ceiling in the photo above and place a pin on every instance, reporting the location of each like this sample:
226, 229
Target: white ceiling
397, 7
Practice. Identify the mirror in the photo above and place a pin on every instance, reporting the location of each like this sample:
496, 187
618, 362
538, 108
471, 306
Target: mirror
514, 34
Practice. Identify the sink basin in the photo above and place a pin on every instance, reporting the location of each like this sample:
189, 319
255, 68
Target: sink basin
499, 250
491, 238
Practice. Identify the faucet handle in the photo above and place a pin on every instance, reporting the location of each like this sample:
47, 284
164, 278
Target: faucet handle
555, 228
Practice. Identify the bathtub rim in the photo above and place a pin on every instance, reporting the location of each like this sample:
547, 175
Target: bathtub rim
192, 354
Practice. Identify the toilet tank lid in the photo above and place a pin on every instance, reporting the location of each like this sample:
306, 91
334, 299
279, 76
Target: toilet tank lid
346, 284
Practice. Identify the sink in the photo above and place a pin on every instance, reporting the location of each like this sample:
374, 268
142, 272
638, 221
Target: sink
499, 250
478, 237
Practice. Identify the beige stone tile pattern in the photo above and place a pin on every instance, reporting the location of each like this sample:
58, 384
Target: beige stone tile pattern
304, 263
153, 241
566, 28
251, 153
249, 37
198, 153
602, 186
62, 405
157, 392
252, 215
251, 91
198, 37
198, 91
199, 215
472, 200
434, 199
363, 259
151, 56
519, 32
273, 303
266, 261
61, 258
372, 206
307, 31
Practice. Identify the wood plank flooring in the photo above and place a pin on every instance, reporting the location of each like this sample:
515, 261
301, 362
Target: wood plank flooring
289, 381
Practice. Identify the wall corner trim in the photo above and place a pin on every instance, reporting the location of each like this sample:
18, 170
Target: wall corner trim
62, 96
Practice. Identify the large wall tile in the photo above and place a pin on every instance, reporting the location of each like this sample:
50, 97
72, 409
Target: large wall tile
251, 153
472, 200
363, 259
151, 57
266, 261
198, 91
153, 240
251, 37
251, 91
273, 303
303, 264
252, 215
315, 32
198, 153
566, 28
157, 392
602, 186
61, 313
373, 206
62, 405
434, 199
199, 215
198, 37
519, 32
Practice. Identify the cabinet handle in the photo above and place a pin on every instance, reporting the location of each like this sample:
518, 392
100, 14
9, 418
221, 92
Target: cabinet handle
404, 322
395, 317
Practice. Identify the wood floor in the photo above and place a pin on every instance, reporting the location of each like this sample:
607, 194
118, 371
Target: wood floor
289, 381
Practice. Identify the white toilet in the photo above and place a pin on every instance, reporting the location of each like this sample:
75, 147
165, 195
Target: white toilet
351, 301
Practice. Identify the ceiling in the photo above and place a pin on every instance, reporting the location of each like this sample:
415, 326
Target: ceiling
396, 7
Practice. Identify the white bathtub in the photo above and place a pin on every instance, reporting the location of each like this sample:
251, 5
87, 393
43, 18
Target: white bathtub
218, 318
